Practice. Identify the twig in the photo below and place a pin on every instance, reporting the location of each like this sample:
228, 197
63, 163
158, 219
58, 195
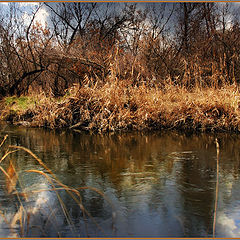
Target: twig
5, 137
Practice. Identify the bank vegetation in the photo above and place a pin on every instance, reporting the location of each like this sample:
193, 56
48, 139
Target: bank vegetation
122, 66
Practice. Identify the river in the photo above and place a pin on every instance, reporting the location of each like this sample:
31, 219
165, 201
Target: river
160, 184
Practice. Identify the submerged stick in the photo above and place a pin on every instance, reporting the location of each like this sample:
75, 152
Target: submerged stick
216, 194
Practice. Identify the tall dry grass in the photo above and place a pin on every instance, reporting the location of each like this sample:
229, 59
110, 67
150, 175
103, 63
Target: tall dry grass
31, 210
118, 105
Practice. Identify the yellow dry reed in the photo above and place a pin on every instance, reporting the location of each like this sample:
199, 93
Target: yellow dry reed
23, 214
116, 105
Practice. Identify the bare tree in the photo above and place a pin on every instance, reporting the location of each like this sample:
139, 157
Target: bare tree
22, 52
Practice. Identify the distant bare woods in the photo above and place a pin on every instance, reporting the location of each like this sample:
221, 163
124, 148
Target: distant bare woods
185, 44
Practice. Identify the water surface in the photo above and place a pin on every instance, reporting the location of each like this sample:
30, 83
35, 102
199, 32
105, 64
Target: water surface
159, 184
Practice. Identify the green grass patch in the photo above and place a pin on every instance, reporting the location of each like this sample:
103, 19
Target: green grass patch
20, 103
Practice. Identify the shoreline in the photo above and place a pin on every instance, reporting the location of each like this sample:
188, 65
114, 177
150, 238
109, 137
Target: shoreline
115, 107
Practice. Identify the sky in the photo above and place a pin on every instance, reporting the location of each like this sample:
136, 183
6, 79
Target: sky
27, 9
43, 14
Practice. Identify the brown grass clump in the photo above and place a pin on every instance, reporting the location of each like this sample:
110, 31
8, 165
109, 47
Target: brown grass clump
117, 105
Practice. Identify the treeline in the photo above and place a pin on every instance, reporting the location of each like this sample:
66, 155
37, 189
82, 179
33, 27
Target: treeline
185, 44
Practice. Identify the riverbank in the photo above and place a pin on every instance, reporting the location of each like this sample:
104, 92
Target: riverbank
116, 106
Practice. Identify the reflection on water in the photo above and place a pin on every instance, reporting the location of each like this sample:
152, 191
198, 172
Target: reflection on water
160, 184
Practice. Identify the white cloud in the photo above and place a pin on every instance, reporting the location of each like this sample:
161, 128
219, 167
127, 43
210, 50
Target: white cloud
28, 4
40, 17
228, 224
4, 3
26, 18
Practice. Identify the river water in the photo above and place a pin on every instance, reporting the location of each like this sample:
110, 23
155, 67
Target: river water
160, 184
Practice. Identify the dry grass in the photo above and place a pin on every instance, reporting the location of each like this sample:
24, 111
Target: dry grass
31, 206
117, 105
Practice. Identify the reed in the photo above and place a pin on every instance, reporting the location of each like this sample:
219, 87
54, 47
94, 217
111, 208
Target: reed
22, 222
217, 190
118, 105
